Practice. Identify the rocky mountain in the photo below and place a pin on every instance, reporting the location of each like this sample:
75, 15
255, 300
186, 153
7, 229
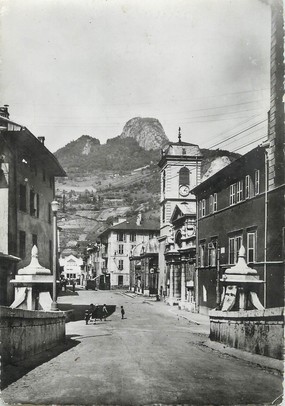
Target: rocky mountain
148, 132
118, 178
214, 160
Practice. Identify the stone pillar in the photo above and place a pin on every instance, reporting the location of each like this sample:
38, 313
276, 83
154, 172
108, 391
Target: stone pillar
183, 274
176, 281
171, 266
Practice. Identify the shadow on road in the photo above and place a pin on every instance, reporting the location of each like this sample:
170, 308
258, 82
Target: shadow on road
68, 292
12, 372
78, 310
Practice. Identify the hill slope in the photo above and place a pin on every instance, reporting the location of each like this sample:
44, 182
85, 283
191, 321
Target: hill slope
115, 179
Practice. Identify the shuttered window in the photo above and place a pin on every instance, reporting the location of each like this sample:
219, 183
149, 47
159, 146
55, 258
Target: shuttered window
184, 176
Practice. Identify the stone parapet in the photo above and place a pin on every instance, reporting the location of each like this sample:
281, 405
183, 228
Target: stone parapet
256, 331
24, 333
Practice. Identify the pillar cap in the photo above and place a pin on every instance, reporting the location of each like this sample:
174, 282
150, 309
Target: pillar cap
34, 268
241, 267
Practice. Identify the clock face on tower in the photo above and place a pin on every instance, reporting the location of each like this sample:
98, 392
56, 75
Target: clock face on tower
184, 190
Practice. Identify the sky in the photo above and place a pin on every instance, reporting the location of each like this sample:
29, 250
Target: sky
74, 67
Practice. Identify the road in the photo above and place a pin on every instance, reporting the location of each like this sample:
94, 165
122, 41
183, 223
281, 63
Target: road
151, 357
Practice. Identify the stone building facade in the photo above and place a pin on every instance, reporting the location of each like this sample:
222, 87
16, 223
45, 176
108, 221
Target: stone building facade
27, 173
116, 244
244, 202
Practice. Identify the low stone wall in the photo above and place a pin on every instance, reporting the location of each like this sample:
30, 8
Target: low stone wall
256, 331
27, 332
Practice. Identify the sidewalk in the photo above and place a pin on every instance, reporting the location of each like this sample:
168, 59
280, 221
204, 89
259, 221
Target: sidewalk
202, 326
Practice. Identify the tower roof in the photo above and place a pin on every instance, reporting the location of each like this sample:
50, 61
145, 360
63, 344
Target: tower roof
180, 150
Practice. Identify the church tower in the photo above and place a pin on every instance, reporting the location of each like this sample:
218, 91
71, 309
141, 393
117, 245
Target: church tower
180, 171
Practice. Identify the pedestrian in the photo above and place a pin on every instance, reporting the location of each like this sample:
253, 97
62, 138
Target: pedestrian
73, 285
91, 312
87, 316
105, 312
122, 312
97, 313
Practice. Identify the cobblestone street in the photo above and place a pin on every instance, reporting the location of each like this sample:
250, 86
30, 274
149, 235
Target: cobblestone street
153, 356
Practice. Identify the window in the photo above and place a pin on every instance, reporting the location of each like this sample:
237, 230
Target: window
247, 186
234, 246
22, 244
51, 182
232, 194
256, 181
120, 280
37, 205
239, 191
211, 201
133, 237
203, 208
49, 213
215, 202
35, 240
205, 296
251, 244
163, 213
184, 176
202, 254
23, 198
163, 182
121, 236
121, 249
121, 264
212, 251
200, 209
32, 203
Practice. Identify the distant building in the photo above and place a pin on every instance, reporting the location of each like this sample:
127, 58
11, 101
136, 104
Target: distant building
27, 172
72, 268
117, 243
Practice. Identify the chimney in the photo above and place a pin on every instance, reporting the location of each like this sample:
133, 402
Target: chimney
41, 139
4, 111
139, 219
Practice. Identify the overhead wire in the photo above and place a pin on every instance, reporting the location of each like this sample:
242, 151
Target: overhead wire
244, 135
252, 142
235, 135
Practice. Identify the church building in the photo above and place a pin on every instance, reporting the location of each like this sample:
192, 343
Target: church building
180, 169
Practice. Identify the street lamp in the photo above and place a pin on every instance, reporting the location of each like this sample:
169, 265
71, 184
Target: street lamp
54, 208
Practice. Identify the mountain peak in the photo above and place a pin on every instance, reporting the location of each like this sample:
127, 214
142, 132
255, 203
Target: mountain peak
148, 132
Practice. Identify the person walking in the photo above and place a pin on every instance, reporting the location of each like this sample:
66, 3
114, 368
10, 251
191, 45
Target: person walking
122, 312
105, 312
89, 313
